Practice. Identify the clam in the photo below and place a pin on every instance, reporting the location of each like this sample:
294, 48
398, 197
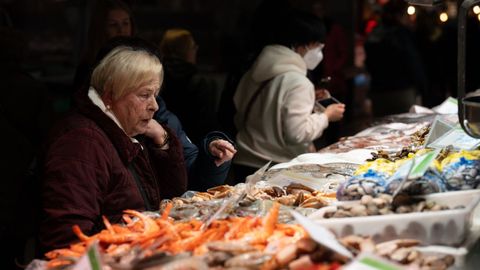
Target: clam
295, 187
250, 259
230, 247
221, 188
274, 191
313, 203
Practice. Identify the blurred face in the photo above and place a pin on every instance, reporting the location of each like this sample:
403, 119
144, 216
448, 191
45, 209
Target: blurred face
302, 50
118, 23
135, 109
191, 56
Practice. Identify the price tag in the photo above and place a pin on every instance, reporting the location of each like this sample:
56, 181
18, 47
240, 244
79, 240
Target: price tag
286, 178
422, 163
321, 235
371, 262
438, 129
457, 138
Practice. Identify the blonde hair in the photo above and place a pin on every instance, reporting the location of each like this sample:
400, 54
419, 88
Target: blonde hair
176, 43
124, 69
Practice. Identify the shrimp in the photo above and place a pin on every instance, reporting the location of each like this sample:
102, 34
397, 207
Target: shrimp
62, 252
167, 210
84, 238
128, 220
271, 220
259, 237
108, 225
58, 263
117, 250
149, 225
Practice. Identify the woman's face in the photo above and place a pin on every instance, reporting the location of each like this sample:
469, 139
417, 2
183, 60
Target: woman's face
136, 108
191, 56
118, 23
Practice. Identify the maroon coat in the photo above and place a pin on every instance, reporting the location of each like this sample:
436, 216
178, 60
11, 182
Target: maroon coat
88, 173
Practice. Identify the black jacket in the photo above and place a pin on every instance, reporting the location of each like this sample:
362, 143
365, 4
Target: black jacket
191, 96
201, 168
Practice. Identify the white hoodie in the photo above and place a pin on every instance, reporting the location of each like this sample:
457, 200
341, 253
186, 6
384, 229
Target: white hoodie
280, 125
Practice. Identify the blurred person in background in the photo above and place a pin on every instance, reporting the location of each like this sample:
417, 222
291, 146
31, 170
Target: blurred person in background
331, 69
109, 18
393, 61
188, 94
428, 35
207, 164
275, 99
26, 113
243, 51
191, 113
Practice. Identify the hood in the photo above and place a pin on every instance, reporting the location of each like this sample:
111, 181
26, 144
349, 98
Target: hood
275, 60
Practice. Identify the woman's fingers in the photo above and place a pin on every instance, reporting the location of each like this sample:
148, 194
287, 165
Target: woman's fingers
222, 150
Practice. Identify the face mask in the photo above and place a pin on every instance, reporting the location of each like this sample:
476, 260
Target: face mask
313, 57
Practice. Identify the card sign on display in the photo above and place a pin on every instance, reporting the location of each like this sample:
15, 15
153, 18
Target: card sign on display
438, 129
371, 262
421, 165
321, 235
457, 138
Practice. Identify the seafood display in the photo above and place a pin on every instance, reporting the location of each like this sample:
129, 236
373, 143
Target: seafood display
250, 242
461, 170
384, 205
418, 138
401, 251
203, 204
450, 171
381, 154
317, 171
436, 219
390, 137
369, 207
233, 243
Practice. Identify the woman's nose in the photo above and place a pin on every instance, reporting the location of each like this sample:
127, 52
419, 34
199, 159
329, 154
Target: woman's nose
119, 29
154, 105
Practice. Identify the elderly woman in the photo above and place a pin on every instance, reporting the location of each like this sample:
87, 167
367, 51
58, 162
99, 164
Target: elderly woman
109, 155
208, 162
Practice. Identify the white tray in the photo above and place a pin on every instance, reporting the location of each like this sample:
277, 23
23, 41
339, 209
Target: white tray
446, 227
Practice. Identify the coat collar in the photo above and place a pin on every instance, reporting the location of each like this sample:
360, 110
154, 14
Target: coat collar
126, 147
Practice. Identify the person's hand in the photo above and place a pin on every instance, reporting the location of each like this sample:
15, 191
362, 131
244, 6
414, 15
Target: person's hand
157, 133
335, 112
222, 150
321, 93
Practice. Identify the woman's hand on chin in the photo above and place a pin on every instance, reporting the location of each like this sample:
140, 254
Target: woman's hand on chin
157, 133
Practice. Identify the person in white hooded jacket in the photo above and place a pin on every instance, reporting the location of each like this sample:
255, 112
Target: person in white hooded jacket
275, 100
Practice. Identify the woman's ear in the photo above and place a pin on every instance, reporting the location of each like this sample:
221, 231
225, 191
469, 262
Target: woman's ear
107, 96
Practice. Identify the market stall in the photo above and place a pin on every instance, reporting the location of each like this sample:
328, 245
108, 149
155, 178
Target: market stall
387, 196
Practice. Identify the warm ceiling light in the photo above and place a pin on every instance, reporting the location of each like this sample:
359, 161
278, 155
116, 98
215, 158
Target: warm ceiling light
476, 9
443, 17
411, 10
